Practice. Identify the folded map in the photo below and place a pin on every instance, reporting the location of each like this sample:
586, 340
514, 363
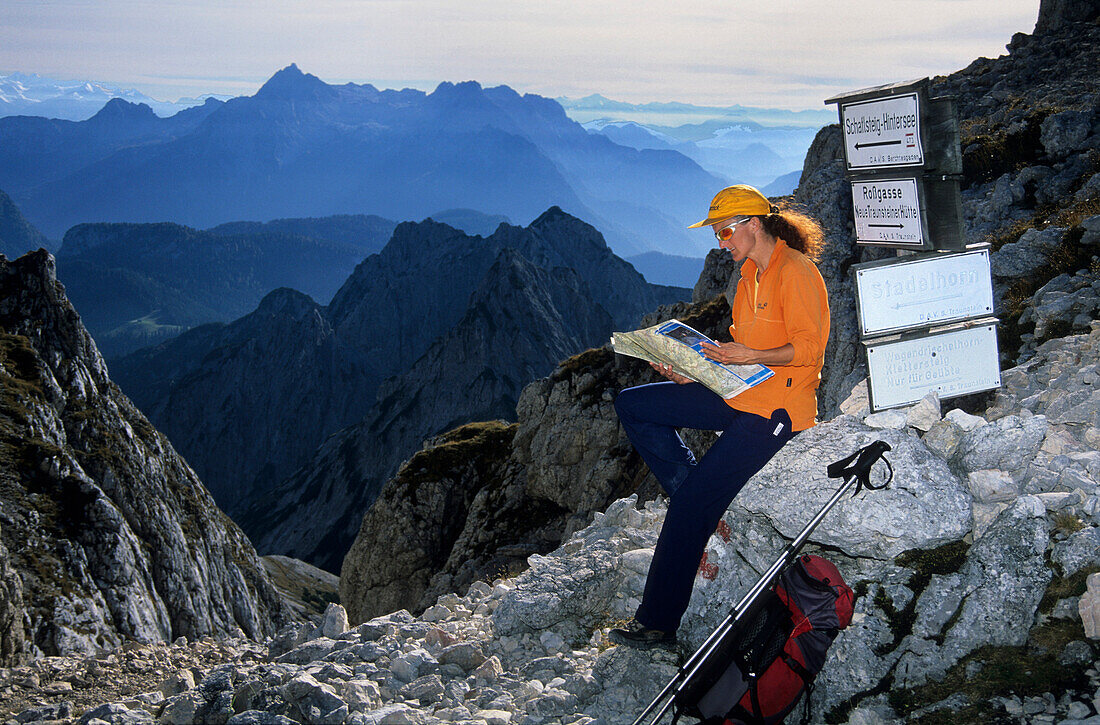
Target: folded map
676, 344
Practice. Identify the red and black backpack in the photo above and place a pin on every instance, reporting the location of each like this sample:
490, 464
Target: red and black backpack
758, 672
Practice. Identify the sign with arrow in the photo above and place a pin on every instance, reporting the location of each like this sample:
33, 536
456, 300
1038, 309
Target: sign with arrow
922, 291
887, 211
882, 132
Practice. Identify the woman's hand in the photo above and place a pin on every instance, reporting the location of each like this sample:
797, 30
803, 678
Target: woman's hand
732, 353
667, 371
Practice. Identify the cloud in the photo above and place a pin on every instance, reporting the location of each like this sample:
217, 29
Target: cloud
787, 53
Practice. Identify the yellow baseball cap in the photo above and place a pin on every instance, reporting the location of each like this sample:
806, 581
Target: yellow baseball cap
736, 200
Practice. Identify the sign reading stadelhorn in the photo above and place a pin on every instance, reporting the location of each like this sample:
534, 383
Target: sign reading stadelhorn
882, 132
922, 290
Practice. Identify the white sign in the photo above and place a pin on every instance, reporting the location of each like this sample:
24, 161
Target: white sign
923, 291
951, 363
887, 211
882, 132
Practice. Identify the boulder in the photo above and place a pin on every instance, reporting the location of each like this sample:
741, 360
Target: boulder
1089, 607
992, 600
925, 505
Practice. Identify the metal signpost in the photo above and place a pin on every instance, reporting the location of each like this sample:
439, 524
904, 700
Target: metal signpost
925, 319
897, 137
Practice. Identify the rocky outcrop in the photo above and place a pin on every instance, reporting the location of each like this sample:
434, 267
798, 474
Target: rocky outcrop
12, 641
976, 626
426, 533
109, 532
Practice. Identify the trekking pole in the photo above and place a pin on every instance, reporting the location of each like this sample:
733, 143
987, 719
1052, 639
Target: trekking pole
856, 470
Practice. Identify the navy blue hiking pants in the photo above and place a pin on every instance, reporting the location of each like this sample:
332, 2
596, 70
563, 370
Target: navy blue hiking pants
700, 490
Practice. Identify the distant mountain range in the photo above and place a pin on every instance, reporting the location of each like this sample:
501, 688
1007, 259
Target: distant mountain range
661, 268
29, 94
593, 107
301, 147
138, 284
744, 152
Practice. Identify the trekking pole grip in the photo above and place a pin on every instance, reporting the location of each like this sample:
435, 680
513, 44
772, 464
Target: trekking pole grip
865, 458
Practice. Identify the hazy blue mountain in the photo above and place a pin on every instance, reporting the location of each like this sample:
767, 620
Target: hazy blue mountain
634, 135
785, 184
660, 268
300, 147
17, 235
137, 284
470, 221
737, 150
273, 385
594, 107
367, 233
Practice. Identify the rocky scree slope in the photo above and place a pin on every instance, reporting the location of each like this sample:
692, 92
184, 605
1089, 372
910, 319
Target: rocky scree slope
977, 575
108, 536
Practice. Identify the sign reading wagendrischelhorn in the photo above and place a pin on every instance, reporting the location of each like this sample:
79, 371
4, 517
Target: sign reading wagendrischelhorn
952, 363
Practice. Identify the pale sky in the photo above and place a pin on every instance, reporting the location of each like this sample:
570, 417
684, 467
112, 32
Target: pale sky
783, 54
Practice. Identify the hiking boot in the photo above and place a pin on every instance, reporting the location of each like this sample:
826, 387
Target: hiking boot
639, 636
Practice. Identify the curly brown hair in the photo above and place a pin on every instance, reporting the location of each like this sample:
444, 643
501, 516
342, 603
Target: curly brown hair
797, 229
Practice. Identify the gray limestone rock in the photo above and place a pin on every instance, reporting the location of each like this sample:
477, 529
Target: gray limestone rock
992, 600
1080, 550
924, 506
719, 277
111, 532
1008, 444
1065, 132
1022, 257
12, 641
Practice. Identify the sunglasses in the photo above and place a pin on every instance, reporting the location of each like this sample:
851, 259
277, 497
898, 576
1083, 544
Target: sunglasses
726, 232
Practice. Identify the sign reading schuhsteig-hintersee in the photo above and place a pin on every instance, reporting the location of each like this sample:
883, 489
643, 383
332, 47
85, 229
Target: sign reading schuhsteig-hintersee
951, 363
882, 132
922, 291
887, 211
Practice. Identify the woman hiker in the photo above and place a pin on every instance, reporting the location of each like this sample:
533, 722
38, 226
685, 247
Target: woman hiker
781, 320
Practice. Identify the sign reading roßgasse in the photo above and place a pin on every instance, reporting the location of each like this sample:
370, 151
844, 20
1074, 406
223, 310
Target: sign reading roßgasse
887, 211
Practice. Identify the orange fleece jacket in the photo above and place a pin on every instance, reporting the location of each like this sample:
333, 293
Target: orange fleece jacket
789, 303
